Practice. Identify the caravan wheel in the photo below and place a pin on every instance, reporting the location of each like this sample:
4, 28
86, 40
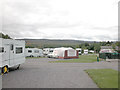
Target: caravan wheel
18, 66
5, 70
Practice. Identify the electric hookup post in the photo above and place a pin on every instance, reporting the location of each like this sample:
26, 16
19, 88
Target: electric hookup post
97, 59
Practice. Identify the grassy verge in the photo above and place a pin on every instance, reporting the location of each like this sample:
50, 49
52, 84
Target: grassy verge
81, 59
104, 78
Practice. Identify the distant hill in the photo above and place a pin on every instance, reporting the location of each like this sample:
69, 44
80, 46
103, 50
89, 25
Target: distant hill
43, 43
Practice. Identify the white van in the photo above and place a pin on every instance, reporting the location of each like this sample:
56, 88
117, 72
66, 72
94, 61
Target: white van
11, 54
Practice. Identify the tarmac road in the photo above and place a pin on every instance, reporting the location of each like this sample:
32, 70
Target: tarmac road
38, 73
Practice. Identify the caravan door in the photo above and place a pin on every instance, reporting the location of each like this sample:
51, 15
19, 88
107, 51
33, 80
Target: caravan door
5, 55
11, 54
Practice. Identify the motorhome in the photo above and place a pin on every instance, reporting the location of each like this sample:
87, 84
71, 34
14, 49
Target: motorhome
33, 52
11, 54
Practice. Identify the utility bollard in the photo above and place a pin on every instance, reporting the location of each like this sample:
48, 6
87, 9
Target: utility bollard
97, 59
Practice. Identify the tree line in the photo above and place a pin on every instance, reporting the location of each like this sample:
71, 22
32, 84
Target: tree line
5, 36
96, 46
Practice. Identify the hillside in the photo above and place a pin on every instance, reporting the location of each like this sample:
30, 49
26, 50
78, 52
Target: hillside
42, 43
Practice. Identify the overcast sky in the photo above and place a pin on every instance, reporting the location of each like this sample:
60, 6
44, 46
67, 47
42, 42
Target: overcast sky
95, 20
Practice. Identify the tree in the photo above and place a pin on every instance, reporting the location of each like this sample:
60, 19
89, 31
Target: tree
97, 48
4, 36
84, 47
29, 47
117, 43
91, 47
77, 46
86, 44
103, 43
7, 37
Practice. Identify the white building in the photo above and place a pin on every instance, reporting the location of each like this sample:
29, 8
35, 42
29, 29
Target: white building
106, 49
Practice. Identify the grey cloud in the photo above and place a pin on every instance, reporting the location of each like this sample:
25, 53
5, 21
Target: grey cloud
19, 11
99, 37
18, 30
26, 6
106, 28
22, 8
104, 37
59, 25
22, 31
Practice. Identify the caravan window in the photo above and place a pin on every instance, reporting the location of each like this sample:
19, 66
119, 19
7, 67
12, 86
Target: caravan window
19, 50
51, 51
1, 49
11, 47
36, 51
29, 51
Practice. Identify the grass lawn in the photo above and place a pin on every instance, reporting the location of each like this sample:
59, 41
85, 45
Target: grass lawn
81, 59
104, 78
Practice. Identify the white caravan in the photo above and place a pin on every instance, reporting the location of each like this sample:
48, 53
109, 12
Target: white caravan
86, 51
50, 54
47, 51
33, 52
79, 50
91, 51
11, 54
40, 52
65, 53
